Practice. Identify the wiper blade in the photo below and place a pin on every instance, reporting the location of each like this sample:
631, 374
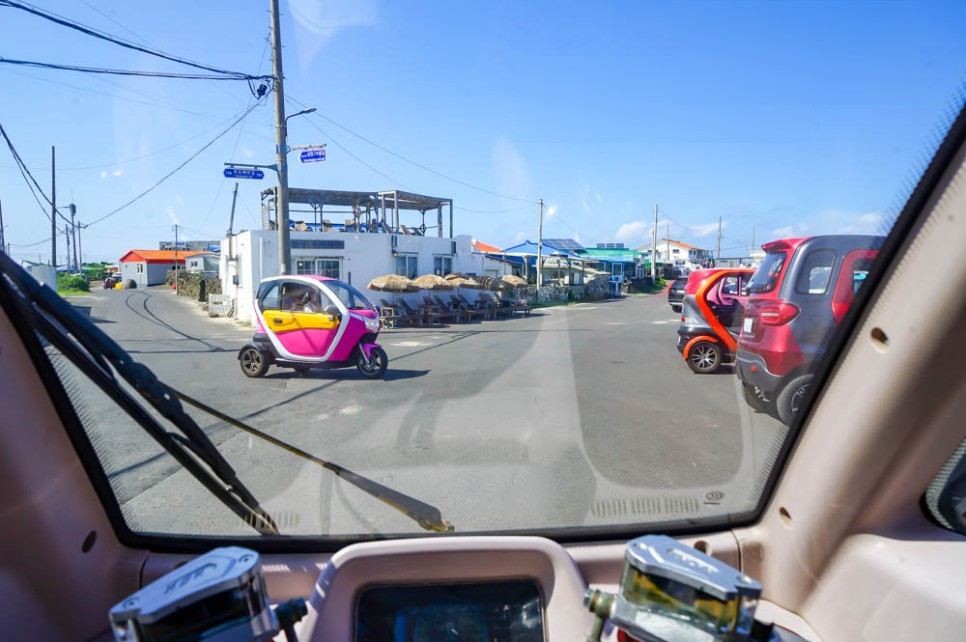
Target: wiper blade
53, 317
427, 516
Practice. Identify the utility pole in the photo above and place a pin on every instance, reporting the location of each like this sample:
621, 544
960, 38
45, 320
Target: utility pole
654, 249
281, 148
717, 255
53, 214
231, 222
752, 238
667, 244
73, 227
80, 252
67, 244
177, 287
3, 245
539, 249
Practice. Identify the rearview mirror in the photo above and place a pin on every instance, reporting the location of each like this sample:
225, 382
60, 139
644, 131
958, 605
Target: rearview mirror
333, 312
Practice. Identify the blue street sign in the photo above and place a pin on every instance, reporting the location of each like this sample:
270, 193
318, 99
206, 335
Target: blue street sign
238, 172
312, 155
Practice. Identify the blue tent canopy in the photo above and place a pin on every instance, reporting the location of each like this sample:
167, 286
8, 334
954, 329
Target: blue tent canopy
529, 248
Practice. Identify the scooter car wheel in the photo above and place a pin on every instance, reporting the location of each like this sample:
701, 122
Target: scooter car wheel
376, 365
252, 362
704, 357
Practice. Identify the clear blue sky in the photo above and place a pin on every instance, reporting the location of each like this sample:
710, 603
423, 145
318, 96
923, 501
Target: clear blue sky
786, 117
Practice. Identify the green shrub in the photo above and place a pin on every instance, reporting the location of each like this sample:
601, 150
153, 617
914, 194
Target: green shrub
72, 282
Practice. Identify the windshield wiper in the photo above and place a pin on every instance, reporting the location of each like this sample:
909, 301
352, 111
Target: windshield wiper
53, 317
101, 350
427, 516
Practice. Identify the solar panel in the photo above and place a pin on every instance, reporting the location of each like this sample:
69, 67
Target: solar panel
567, 245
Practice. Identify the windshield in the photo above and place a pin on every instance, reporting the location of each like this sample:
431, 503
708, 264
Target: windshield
515, 187
350, 297
765, 277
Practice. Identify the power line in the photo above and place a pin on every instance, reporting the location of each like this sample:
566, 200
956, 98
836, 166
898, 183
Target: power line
419, 165
122, 72
122, 43
27, 176
179, 167
25, 245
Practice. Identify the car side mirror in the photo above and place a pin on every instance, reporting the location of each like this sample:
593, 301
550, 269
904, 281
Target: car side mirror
333, 312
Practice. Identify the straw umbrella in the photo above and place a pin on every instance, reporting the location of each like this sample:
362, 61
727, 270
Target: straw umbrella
513, 280
392, 283
432, 282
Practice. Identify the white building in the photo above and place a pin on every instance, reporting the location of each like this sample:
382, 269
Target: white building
355, 258
676, 253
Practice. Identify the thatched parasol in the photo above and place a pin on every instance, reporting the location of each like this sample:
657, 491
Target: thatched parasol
514, 281
463, 281
493, 284
392, 283
432, 282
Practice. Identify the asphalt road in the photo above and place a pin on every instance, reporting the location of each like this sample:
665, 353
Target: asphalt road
577, 415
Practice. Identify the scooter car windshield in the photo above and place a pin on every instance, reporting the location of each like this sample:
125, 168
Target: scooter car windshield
350, 297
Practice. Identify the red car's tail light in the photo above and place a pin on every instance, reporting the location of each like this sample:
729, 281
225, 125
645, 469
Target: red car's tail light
777, 313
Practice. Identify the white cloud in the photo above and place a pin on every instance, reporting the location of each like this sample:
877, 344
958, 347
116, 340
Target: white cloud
319, 20
552, 211
790, 231
633, 231
510, 169
172, 216
519, 237
707, 229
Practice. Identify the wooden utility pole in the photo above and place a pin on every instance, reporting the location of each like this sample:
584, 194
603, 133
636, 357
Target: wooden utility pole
539, 248
53, 214
717, 255
177, 287
667, 245
281, 148
73, 227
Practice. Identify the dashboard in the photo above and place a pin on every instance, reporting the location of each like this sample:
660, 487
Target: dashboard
513, 589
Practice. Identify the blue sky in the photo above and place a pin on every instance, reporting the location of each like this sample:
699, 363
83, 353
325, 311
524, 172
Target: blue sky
781, 117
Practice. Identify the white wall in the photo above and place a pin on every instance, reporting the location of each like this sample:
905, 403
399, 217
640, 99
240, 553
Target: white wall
364, 257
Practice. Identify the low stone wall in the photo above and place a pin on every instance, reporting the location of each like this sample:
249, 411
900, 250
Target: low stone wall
195, 285
593, 290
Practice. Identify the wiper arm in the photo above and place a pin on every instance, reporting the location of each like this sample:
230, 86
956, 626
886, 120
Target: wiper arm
53, 317
427, 516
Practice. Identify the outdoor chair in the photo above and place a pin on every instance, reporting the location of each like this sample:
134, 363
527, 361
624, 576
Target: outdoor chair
388, 316
451, 308
442, 311
500, 307
518, 305
470, 310
422, 316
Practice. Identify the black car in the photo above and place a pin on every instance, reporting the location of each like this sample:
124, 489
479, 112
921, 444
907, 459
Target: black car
675, 295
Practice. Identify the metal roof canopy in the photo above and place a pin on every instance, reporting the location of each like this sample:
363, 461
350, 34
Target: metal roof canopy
379, 210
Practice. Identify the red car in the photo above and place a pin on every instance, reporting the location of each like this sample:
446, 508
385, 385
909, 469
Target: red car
797, 297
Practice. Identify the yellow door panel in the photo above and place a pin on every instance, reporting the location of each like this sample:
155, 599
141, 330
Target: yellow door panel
279, 321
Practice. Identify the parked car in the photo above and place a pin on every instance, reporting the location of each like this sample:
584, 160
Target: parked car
675, 295
711, 317
797, 297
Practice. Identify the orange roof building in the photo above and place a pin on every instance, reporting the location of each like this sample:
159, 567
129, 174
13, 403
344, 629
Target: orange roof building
144, 268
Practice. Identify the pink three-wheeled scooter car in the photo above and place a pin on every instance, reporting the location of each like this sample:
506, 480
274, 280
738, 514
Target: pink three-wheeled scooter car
307, 321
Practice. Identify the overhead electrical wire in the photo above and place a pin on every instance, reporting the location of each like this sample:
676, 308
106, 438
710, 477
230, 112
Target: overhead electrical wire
414, 163
122, 43
27, 176
179, 167
118, 72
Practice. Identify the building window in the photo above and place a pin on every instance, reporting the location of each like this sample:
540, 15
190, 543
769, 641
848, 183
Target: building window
329, 267
323, 267
406, 265
442, 265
